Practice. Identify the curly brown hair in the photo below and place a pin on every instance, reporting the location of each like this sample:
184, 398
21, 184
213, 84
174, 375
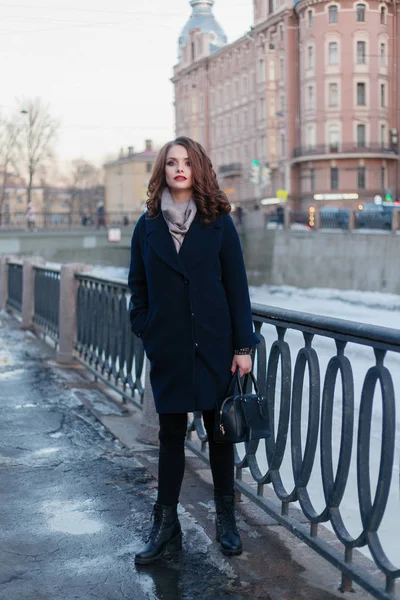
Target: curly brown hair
211, 201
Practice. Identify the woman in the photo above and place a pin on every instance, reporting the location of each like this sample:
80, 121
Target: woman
190, 306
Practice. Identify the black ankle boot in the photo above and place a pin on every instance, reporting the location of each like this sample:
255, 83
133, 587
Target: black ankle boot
225, 523
165, 535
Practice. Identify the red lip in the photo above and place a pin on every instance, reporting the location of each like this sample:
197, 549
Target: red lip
179, 178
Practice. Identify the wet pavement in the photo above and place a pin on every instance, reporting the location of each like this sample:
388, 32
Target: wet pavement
75, 506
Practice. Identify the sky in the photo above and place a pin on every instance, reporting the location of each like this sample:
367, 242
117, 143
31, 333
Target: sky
103, 67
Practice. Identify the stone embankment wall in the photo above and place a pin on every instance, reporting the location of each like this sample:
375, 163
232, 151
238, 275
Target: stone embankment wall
334, 259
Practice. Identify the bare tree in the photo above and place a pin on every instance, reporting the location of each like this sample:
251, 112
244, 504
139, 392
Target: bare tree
9, 134
38, 135
86, 186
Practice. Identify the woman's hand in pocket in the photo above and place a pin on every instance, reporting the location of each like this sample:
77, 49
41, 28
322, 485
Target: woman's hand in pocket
242, 362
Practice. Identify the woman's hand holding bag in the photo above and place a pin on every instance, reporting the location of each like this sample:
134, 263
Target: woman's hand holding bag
242, 417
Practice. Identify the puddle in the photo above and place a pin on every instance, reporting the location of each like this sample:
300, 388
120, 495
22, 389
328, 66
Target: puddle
58, 434
46, 451
5, 358
68, 517
11, 374
27, 405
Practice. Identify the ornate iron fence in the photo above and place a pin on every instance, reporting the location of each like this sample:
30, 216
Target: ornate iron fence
105, 343
14, 299
47, 300
308, 443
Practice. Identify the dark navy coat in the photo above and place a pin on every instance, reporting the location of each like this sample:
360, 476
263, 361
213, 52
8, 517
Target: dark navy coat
191, 309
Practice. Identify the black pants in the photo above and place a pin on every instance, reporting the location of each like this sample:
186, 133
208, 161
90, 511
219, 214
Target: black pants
171, 466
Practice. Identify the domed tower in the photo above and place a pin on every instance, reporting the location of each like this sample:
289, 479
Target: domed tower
202, 34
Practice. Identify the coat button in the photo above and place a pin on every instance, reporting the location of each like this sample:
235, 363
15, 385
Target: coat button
196, 345
185, 280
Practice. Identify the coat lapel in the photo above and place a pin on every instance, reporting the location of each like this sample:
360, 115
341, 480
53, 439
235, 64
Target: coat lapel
200, 241
162, 243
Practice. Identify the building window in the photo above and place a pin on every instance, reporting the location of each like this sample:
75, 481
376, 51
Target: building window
383, 136
282, 102
272, 70
383, 95
310, 135
333, 53
334, 178
333, 137
312, 179
333, 99
383, 15
383, 178
262, 108
261, 70
283, 145
282, 68
333, 14
244, 84
361, 136
360, 13
383, 55
270, 6
310, 58
311, 102
310, 15
281, 32
361, 94
361, 53
149, 167
361, 178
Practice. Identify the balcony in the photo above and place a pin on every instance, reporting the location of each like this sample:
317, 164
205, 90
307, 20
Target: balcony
302, 152
230, 170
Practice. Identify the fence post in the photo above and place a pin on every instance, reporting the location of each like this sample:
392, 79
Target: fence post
148, 432
352, 220
3, 282
67, 311
28, 293
287, 218
395, 220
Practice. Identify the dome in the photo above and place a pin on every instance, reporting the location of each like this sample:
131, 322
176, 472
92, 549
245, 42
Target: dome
203, 19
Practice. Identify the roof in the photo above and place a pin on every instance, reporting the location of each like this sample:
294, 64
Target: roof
146, 155
203, 20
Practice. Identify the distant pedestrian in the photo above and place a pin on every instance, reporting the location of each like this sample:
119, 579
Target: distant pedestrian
101, 216
190, 306
239, 216
30, 217
280, 216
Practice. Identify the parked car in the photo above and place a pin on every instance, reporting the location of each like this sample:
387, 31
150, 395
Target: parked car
376, 216
334, 217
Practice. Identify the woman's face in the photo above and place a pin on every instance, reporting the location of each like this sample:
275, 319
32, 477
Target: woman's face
178, 171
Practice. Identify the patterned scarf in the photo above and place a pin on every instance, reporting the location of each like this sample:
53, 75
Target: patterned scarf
178, 217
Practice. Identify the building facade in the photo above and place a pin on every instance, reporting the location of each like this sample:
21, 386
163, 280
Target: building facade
126, 180
305, 104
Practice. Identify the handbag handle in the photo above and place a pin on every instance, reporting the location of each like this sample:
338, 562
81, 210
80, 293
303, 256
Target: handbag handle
239, 383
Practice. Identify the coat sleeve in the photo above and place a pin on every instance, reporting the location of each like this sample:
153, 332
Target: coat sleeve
137, 283
237, 290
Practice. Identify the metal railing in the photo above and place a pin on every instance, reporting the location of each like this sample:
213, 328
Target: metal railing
322, 409
47, 300
372, 148
286, 404
14, 299
105, 343
66, 220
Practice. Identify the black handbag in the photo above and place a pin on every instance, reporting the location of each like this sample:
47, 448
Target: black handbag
242, 417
